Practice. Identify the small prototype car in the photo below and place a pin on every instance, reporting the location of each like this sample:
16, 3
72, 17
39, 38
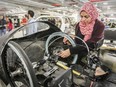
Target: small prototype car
31, 59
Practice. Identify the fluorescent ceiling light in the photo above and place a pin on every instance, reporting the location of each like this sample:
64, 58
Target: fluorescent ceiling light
105, 3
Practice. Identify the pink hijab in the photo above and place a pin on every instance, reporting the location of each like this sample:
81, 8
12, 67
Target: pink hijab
87, 29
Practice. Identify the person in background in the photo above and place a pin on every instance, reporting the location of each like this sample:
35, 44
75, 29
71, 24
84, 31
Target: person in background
9, 25
24, 20
2, 26
90, 29
32, 28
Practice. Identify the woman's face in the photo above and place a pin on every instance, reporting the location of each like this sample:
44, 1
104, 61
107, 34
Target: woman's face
85, 18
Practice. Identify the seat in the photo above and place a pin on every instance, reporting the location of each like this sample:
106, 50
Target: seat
92, 60
99, 44
93, 55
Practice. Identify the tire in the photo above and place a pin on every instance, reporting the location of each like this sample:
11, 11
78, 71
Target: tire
24, 60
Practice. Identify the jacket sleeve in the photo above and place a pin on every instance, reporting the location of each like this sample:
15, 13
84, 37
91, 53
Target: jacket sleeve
98, 32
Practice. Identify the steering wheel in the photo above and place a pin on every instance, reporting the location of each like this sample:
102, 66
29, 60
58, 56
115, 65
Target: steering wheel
72, 42
60, 34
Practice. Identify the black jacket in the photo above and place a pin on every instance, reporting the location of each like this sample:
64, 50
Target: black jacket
2, 24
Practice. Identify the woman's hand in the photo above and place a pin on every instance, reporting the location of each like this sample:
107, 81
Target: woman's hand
65, 53
66, 41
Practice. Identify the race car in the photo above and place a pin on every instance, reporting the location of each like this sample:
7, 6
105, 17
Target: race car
30, 59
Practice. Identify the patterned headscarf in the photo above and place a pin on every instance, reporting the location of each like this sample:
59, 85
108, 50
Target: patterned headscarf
86, 30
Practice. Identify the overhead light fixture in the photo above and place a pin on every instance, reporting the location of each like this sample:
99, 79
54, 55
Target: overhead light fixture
105, 3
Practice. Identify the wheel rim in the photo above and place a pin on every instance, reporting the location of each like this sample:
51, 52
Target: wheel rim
21, 69
61, 34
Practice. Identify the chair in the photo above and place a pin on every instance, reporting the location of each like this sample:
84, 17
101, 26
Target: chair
97, 46
93, 56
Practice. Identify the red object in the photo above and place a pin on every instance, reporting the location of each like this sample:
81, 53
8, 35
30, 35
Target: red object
10, 26
55, 4
96, 0
24, 20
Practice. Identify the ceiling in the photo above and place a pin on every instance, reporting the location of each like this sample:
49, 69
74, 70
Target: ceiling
105, 7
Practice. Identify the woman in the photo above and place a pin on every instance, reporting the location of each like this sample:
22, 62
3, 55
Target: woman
2, 26
90, 29
10, 25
